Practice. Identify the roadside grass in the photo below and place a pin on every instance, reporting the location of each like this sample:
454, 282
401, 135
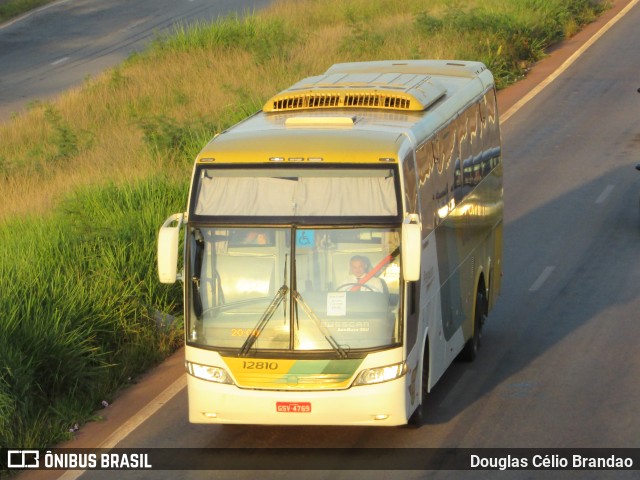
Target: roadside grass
81, 307
86, 180
12, 8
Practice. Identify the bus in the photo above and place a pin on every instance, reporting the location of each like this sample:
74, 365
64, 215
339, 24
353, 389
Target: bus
341, 247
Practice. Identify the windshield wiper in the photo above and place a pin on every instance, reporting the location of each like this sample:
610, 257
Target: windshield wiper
325, 332
264, 319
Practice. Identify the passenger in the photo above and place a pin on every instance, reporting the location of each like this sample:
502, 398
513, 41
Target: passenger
255, 238
359, 267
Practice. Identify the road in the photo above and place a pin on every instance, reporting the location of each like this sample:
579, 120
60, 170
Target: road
57, 47
558, 366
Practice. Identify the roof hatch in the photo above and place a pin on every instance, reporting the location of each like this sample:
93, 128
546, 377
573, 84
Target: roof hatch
392, 91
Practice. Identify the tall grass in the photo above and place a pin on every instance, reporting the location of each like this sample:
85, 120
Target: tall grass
86, 180
80, 306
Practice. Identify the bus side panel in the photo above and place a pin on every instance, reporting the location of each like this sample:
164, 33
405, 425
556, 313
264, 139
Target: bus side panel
461, 190
494, 199
431, 311
495, 282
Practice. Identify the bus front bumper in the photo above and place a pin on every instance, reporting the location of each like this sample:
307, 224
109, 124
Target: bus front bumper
382, 404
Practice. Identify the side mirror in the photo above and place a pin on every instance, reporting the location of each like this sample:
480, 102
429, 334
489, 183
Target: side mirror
168, 242
411, 247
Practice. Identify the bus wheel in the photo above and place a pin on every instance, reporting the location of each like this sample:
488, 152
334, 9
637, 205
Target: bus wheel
470, 350
416, 420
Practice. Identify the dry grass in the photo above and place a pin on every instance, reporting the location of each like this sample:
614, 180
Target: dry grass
203, 80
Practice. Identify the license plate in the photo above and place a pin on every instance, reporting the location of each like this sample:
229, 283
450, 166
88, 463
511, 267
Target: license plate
293, 407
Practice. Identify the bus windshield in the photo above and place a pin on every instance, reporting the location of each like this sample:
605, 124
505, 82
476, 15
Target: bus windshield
254, 289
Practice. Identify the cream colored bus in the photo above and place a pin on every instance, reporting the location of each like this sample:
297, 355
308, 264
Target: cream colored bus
341, 247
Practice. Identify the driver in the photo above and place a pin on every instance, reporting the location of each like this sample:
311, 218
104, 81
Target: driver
359, 266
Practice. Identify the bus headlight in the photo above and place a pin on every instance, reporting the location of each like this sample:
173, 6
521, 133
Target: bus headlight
211, 374
382, 374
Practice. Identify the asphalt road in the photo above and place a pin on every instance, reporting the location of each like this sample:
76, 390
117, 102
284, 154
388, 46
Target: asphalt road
558, 366
57, 47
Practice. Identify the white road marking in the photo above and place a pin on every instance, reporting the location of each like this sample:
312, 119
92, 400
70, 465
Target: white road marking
135, 421
567, 63
59, 61
152, 407
605, 194
32, 12
542, 278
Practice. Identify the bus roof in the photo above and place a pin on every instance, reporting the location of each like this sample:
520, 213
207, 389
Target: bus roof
354, 113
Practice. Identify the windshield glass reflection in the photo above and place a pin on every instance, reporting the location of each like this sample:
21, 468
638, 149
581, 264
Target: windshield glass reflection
254, 289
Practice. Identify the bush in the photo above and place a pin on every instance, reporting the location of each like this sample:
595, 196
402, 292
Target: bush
80, 297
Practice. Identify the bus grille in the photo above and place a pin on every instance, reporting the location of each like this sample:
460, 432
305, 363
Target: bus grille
377, 101
352, 100
325, 381
298, 102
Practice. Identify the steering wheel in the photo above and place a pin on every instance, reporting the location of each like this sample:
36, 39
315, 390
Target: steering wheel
353, 284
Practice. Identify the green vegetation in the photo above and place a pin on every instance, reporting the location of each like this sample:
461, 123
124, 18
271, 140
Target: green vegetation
81, 306
12, 8
87, 180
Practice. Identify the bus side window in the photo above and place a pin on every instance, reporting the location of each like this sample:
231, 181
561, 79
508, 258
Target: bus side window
413, 298
410, 182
